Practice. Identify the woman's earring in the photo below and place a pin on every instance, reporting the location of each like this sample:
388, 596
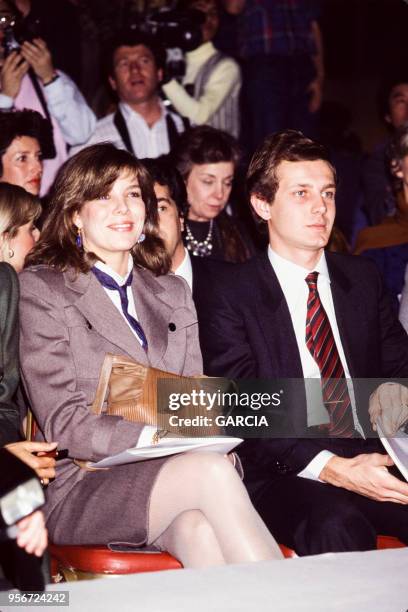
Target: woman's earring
78, 239
11, 253
141, 238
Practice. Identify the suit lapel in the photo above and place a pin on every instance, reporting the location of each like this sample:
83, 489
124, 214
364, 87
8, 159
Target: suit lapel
276, 322
153, 312
102, 314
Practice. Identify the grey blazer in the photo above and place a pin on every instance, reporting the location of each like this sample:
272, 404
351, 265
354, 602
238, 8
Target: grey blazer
68, 324
9, 376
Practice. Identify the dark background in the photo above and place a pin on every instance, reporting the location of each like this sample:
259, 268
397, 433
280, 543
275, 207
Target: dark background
364, 40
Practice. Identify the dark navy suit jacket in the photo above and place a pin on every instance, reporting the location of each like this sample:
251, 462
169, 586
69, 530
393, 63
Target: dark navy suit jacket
246, 332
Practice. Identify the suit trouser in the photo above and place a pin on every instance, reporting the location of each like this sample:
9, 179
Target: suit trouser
312, 517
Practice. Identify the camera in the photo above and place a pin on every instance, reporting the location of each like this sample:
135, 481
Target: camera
20, 495
20, 490
17, 31
176, 28
177, 31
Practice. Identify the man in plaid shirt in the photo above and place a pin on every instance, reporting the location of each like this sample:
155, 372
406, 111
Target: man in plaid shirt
281, 47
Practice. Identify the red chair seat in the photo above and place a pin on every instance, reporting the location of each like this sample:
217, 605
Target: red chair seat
287, 552
101, 560
383, 542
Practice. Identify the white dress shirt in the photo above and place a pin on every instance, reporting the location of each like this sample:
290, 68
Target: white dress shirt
146, 141
185, 269
147, 432
291, 278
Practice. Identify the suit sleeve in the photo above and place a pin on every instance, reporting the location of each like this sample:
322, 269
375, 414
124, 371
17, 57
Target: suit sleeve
50, 379
9, 374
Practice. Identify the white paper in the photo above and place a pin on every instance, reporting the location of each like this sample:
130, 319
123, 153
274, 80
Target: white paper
397, 448
170, 446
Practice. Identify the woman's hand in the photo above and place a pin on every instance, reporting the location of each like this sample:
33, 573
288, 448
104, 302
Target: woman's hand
32, 534
32, 453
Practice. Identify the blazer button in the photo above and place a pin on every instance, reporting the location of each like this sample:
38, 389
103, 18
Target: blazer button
172, 326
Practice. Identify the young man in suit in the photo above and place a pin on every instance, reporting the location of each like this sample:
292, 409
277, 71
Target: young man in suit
298, 312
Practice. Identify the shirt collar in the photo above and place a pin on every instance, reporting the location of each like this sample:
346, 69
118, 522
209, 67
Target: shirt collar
129, 113
291, 276
120, 280
185, 269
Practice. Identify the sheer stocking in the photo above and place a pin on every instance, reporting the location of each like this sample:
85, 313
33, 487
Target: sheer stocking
201, 512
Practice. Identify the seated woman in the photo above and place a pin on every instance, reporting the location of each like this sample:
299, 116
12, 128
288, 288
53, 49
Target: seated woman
18, 212
207, 159
20, 150
387, 243
31, 534
96, 282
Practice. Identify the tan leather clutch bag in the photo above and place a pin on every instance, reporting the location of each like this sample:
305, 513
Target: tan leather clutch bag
130, 391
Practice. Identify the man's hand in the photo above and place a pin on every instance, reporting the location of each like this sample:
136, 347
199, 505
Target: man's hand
316, 95
367, 475
389, 405
32, 534
38, 56
12, 71
32, 454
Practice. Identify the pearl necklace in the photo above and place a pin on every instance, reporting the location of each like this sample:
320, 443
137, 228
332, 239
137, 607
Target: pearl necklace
201, 248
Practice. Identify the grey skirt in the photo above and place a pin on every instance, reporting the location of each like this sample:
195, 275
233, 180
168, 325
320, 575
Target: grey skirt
107, 506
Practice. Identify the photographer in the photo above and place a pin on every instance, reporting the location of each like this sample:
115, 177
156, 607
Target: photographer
29, 80
142, 125
210, 90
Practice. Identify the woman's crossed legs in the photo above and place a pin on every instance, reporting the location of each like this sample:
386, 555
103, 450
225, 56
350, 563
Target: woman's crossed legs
201, 513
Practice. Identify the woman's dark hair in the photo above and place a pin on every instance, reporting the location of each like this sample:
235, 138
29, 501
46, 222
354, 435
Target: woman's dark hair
398, 147
15, 124
164, 173
205, 145
88, 175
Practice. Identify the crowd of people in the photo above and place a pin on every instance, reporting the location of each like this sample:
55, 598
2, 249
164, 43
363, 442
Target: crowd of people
131, 234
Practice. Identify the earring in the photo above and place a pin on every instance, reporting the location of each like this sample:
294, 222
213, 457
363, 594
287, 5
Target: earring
141, 238
78, 239
11, 253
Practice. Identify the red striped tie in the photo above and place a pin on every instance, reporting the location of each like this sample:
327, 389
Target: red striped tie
321, 344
